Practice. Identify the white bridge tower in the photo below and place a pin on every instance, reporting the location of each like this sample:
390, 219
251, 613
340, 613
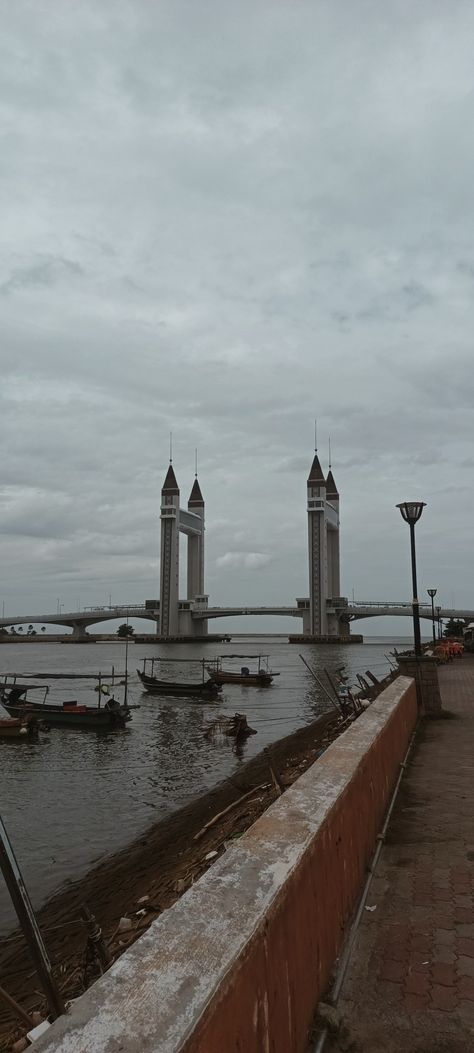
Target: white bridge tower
323, 553
175, 614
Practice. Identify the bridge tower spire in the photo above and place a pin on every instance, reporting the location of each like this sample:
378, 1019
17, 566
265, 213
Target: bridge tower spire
333, 552
196, 544
169, 567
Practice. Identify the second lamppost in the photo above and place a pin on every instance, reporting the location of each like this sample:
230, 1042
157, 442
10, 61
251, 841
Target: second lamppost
432, 594
411, 512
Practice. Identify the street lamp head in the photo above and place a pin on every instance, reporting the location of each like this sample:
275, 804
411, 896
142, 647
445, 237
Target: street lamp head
432, 592
411, 511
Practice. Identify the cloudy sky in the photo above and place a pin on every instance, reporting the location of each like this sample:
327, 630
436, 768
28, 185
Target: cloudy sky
226, 219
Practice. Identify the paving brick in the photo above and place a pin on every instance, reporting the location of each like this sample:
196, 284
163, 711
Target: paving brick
418, 983
465, 966
461, 902
465, 987
421, 943
464, 916
460, 872
444, 937
444, 998
462, 888
465, 930
465, 946
389, 992
445, 921
465, 1011
443, 973
397, 952
444, 895
415, 1002
445, 955
392, 971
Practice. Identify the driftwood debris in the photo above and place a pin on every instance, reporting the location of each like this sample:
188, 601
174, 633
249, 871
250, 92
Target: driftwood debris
235, 727
96, 944
17, 1009
279, 787
230, 807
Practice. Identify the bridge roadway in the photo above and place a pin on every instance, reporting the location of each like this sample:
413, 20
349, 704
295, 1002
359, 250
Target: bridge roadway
82, 619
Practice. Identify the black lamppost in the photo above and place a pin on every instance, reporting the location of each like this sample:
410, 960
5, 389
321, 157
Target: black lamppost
432, 593
411, 512
438, 612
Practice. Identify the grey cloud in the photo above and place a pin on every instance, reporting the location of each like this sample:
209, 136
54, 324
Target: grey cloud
45, 272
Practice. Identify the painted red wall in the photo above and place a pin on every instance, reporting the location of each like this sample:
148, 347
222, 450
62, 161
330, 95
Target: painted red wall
270, 995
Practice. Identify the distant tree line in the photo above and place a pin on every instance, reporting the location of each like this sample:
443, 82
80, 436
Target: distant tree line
18, 630
455, 626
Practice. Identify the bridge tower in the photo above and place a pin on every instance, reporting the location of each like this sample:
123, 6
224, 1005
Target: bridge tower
323, 551
334, 561
175, 614
196, 544
317, 549
169, 565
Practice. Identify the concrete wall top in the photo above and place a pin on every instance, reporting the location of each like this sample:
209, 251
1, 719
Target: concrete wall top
153, 996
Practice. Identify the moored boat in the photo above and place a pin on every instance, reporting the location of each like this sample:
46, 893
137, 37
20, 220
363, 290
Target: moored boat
183, 688
260, 677
111, 714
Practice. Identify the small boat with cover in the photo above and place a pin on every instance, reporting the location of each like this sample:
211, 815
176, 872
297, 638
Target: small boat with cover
204, 688
15, 698
262, 676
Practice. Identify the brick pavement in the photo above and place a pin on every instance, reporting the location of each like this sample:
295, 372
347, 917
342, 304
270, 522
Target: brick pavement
410, 985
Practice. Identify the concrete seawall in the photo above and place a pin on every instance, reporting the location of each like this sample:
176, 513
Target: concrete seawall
240, 963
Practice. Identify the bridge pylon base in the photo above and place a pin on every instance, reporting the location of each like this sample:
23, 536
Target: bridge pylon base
354, 638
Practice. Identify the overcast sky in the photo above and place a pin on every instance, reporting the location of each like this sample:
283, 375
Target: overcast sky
226, 219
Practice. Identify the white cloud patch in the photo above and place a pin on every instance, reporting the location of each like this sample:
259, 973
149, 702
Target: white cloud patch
249, 560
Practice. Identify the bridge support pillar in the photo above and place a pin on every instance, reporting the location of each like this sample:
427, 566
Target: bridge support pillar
333, 624
79, 631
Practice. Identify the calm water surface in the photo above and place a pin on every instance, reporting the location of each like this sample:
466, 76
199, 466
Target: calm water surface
73, 797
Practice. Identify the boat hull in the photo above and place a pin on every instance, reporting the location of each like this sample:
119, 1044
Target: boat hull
208, 689
253, 679
74, 717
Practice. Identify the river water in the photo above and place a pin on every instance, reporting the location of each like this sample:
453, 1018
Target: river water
73, 797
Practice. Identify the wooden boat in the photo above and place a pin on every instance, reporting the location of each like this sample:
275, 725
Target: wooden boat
110, 714
19, 728
183, 688
260, 677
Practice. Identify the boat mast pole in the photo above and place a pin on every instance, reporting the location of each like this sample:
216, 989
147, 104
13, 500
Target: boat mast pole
125, 694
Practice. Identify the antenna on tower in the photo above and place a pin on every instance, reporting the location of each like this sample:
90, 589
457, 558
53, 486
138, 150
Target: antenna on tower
315, 435
195, 463
171, 447
329, 441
